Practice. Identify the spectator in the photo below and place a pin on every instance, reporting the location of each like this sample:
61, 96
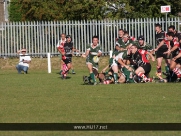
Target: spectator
24, 61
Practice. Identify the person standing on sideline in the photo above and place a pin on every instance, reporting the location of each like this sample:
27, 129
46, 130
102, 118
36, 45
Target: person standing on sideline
60, 44
24, 61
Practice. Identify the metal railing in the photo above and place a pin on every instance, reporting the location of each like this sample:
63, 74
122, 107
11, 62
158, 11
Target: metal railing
39, 38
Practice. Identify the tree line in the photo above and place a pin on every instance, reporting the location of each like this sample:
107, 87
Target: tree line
54, 10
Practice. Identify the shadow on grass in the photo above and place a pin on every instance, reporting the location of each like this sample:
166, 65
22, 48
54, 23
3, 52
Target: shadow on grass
66, 77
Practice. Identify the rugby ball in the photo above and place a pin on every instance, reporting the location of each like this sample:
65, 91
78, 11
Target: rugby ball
96, 59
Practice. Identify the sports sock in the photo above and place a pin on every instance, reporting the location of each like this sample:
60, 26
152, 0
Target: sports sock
167, 69
159, 69
65, 69
177, 72
115, 75
64, 72
142, 75
92, 77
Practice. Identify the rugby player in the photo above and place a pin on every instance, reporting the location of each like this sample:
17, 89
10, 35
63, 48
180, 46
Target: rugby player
125, 43
160, 36
60, 44
69, 49
174, 49
93, 50
140, 61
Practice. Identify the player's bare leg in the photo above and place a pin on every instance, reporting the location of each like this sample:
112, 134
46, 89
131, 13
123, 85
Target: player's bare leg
73, 72
122, 78
176, 69
141, 73
61, 66
159, 63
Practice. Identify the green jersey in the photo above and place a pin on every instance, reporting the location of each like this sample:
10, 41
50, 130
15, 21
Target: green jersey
123, 44
118, 42
93, 51
118, 55
116, 52
145, 46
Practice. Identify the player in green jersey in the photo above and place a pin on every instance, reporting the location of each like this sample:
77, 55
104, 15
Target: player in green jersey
125, 43
93, 51
142, 44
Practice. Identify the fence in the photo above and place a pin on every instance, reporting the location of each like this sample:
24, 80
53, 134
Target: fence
39, 38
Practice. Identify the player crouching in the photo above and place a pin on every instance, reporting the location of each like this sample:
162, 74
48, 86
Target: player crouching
141, 62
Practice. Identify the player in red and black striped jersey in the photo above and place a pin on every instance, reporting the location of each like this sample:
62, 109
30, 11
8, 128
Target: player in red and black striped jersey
66, 65
174, 49
140, 61
160, 36
60, 44
176, 61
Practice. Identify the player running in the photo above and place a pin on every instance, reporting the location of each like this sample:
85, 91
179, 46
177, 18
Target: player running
66, 52
92, 53
69, 49
60, 44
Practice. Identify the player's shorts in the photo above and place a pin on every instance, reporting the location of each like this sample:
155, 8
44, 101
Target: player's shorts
128, 75
112, 62
146, 67
67, 60
178, 61
160, 54
94, 65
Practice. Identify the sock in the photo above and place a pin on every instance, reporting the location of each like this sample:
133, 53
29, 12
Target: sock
159, 69
177, 72
64, 72
92, 77
140, 74
73, 71
167, 69
65, 69
115, 75
106, 82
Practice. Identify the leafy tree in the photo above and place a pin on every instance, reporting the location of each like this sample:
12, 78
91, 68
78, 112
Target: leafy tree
14, 11
41, 10
46, 10
141, 8
83, 9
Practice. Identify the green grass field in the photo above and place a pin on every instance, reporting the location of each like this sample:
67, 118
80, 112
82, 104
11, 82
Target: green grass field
39, 97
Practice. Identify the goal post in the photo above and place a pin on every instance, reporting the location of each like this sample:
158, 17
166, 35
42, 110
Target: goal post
49, 62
